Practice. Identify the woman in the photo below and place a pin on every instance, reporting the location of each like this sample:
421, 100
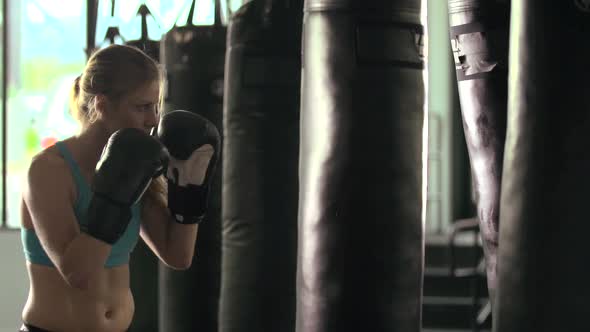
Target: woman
77, 282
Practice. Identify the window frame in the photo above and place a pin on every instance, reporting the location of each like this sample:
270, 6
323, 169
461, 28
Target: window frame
5, 34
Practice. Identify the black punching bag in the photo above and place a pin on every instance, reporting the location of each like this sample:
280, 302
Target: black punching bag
143, 265
261, 117
543, 270
479, 39
361, 241
194, 60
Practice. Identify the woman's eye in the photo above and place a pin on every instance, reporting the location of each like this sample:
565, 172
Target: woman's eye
146, 107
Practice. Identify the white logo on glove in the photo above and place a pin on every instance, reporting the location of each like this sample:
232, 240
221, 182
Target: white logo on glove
193, 170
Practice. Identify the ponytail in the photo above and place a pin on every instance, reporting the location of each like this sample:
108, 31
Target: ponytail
75, 100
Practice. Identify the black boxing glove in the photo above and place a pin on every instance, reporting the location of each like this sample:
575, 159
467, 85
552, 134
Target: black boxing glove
129, 161
183, 133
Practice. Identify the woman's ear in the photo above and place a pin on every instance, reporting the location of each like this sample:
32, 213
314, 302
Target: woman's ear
101, 105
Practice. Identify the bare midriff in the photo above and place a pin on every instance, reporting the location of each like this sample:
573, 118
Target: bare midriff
106, 306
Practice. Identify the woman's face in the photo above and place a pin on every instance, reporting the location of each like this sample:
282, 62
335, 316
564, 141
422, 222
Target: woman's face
138, 109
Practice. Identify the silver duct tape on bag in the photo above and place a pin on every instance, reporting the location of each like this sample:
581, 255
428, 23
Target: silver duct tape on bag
479, 40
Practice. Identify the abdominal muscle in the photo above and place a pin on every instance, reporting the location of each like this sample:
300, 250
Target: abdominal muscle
107, 306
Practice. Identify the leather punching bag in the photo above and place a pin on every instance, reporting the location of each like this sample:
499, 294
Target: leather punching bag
194, 60
479, 39
361, 242
260, 181
143, 265
544, 275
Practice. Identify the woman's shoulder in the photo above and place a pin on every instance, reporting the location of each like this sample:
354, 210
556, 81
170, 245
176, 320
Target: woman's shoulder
51, 156
47, 166
48, 158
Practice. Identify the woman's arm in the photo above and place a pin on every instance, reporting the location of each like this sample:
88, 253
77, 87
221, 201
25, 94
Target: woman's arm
172, 242
48, 196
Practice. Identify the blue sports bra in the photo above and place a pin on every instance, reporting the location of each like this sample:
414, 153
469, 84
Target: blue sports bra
120, 251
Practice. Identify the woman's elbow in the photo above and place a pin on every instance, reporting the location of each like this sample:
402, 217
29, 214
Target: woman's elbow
78, 280
179, 262
77, 275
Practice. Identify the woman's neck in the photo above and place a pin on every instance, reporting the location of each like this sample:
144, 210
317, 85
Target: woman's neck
91, 142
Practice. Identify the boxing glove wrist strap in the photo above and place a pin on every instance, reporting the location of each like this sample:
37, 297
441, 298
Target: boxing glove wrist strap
187, 204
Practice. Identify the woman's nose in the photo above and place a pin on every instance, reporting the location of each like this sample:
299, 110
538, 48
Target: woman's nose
152, 118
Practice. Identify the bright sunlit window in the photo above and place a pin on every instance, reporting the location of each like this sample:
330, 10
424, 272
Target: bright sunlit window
165, 14
2, 49
46, 53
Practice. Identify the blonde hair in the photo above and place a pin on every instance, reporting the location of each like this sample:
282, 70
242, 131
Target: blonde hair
114, 72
